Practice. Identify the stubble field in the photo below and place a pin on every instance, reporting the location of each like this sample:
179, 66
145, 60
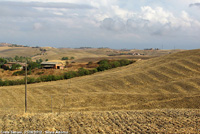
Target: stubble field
118, 122
165, 90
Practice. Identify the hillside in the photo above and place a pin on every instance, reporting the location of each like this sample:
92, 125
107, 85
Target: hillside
80, 55
166, 82
171, 81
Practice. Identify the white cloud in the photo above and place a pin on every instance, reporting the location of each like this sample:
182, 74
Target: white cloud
37, 26
94, 17
154, 21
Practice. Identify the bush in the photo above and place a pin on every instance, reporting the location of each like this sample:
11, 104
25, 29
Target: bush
103, 67
115, 64
15, 66
103, 62
31, 80
65, 58
124, 62
70, 74
90, 63
82, 72
33, 65
94, 70
1, 82
39, 61
72, 58
2, 61
22, 72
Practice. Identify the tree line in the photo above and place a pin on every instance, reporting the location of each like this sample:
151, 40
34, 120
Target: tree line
21, 59
103, 65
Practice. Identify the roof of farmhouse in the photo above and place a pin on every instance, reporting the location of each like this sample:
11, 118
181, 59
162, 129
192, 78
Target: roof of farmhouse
50, 63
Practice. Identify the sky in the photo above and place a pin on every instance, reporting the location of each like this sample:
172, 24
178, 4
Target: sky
118, 24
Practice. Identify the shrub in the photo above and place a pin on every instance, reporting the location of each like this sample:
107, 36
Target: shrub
103, 62
65, 58
22, 72
39, 61
1, 82
15, 66
124, 62
94, 70
33, 65
103, 67
70, 74
2, 61
82, 71
90, 63
31, 80
115, 64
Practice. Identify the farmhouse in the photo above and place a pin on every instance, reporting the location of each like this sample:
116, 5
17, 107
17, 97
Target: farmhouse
52, 65
10, 64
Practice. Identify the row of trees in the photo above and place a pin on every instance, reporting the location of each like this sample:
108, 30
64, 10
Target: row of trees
67, 58
103, 65
31, 64
106, 64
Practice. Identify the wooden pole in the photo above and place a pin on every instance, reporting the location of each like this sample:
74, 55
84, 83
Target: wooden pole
26, 87
51, 104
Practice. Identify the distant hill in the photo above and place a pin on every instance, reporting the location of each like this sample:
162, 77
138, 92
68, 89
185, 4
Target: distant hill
5, 44
80, 55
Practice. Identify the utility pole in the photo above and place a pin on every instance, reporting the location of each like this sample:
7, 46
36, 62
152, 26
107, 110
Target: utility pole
51, 104
26, 87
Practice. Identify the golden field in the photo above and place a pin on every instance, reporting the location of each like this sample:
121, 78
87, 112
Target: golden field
167, 82
116, 122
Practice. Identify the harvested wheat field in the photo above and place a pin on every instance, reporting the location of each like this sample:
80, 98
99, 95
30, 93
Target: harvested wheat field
145, 121
166, 82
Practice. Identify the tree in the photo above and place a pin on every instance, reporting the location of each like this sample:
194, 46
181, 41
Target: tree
2, 61
104, 66
33, 65
70, 74
16, 58
124, 62
82, 71
15, 66
103, 62
72, 58
39, 61
65, 58
115, 64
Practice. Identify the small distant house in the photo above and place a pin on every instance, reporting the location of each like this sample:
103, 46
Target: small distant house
10, 64
52, 65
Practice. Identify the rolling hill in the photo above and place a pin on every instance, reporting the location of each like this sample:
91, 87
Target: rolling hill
170, 81
80, 55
